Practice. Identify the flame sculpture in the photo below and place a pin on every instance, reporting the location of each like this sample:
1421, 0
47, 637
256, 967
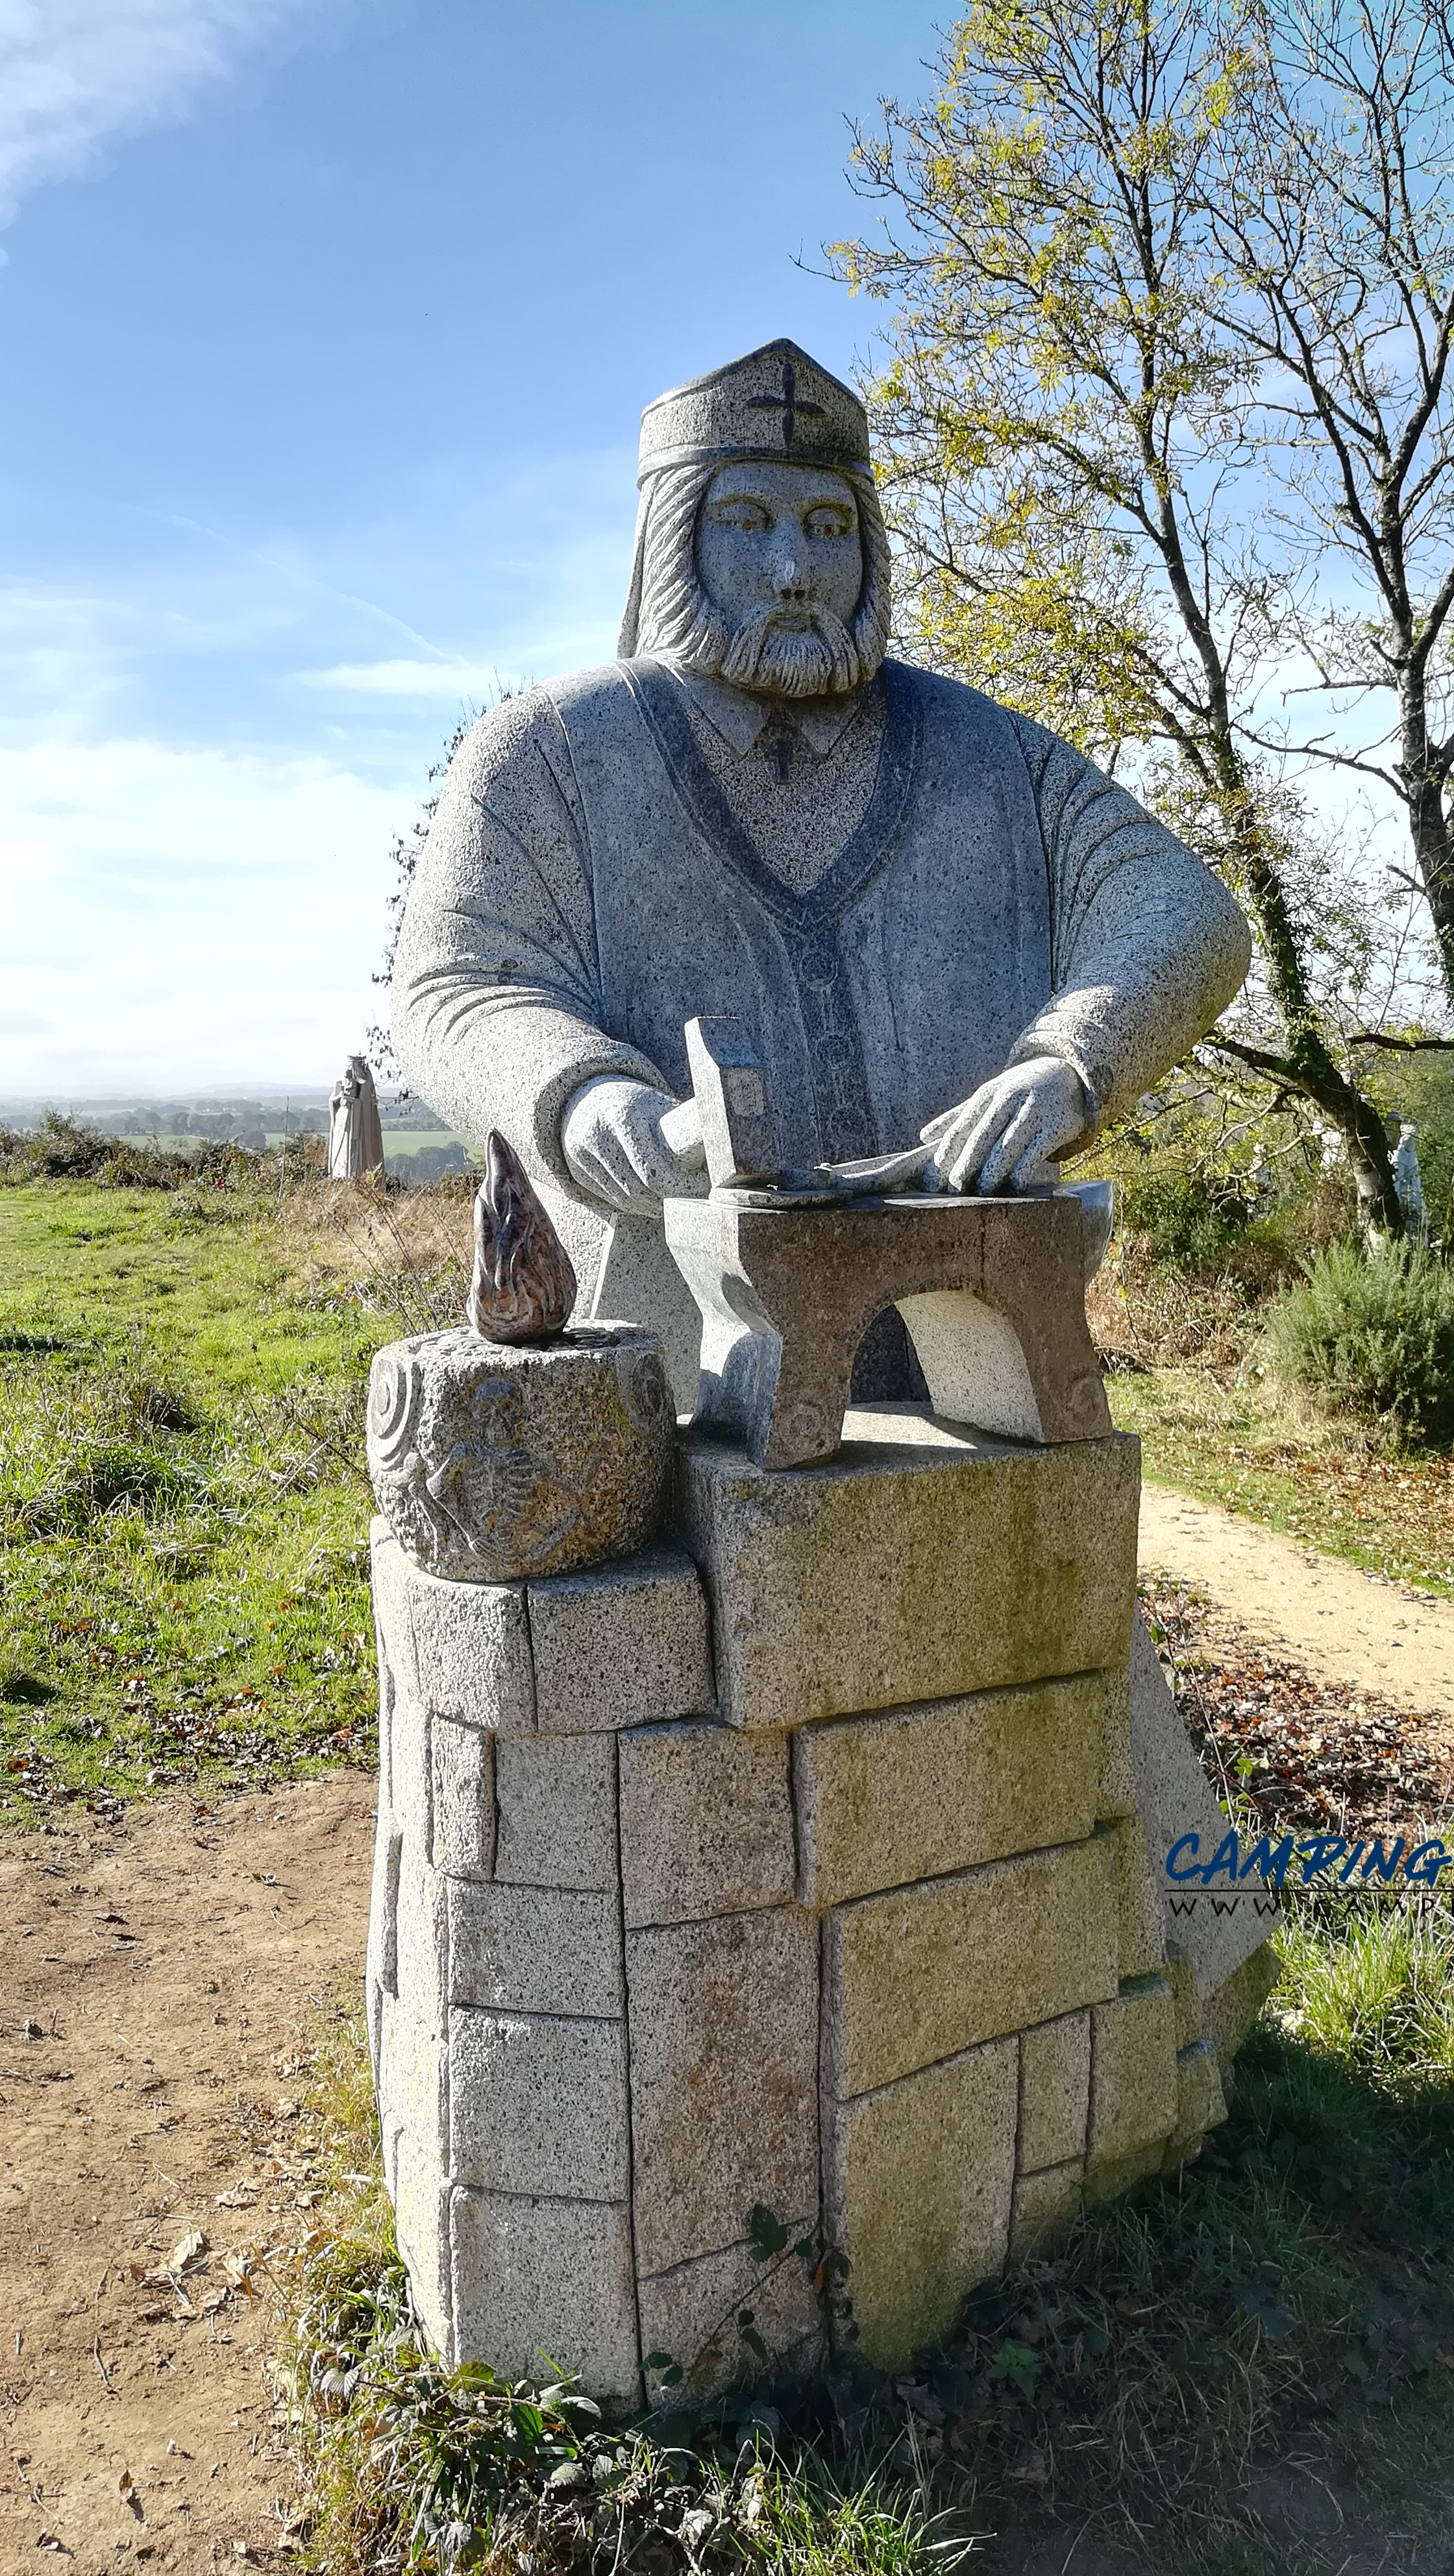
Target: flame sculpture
523, 1286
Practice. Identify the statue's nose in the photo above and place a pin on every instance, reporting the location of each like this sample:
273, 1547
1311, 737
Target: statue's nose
788, 580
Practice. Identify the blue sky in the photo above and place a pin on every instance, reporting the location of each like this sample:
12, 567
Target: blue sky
325, 326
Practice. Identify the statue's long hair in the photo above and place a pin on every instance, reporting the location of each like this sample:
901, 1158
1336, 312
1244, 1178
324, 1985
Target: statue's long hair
668, 611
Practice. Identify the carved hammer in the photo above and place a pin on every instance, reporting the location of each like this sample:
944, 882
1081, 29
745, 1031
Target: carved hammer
739, 1134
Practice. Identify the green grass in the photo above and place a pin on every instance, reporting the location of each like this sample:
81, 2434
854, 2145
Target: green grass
183, 1512
1377, 1999
1178, 2383
1231, 1440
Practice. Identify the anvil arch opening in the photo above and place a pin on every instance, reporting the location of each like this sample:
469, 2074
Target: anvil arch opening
974, 1362
886, 1366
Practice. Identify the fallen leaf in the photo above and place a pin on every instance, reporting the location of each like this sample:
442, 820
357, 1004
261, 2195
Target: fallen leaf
1032, 2471
187, 2249
241, 2196
1271, 2313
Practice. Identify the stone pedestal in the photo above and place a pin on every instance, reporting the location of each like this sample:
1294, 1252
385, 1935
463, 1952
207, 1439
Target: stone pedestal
792, 1883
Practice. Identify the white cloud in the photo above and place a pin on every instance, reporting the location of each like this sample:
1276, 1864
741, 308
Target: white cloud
407, 679
187, 917
73, 72
480, 682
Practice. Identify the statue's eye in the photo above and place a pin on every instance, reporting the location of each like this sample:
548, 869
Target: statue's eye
827, 523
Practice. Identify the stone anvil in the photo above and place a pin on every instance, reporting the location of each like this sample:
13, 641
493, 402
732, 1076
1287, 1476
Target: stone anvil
992, 1292
788, 1280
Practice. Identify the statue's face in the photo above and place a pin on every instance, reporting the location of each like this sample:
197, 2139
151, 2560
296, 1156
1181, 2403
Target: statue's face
778, 542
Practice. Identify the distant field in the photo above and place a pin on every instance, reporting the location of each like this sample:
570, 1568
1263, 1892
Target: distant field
402, 1145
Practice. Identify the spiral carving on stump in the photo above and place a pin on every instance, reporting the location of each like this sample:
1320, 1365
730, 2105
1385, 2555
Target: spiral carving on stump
523, 1286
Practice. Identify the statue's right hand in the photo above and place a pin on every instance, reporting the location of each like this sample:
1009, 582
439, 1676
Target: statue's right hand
612, 1140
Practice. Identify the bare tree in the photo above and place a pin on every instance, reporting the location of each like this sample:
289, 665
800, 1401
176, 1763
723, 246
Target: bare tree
1331, 199
1074, 426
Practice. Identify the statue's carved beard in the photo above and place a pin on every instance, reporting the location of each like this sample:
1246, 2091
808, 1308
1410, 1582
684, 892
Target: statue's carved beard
670, 613
791, 661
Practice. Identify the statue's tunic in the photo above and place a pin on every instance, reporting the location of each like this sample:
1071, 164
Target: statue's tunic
586, 888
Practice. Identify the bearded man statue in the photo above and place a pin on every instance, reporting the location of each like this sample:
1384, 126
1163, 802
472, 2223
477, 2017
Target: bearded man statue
928, 909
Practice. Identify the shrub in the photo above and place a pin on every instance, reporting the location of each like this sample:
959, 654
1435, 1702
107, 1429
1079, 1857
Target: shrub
1188, 1221
61, 1150
1374, 1332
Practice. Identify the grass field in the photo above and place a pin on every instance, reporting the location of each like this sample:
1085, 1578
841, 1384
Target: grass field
1230, 1440
183, 1513
1189, 1373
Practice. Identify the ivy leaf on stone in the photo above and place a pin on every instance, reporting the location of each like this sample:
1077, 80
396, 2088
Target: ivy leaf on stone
767, 2233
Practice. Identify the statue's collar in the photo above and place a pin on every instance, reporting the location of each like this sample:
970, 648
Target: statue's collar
740, 718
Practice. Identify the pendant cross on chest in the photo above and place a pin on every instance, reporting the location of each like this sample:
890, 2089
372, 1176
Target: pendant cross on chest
779, 740
787, 403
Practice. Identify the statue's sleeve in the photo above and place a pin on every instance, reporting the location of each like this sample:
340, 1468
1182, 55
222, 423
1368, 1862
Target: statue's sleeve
1147, 947
497, 1010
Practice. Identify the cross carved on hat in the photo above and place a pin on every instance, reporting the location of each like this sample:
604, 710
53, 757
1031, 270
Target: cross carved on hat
787, 403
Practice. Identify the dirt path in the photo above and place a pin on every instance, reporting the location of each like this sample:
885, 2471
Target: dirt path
160, 1984
1342, 1624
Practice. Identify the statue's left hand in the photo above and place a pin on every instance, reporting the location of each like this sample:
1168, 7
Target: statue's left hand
1001, 1136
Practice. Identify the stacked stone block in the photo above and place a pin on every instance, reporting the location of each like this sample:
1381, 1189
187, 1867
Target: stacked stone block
793, 1864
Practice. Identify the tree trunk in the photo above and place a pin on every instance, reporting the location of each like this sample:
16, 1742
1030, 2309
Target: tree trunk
1309, 1066
1429, 826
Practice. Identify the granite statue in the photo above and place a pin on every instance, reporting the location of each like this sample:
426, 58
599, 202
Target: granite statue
935, 918
747, 1839
355, 1134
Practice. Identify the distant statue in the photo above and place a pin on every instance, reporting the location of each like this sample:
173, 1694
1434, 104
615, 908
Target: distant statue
1408, 1181
355, 1136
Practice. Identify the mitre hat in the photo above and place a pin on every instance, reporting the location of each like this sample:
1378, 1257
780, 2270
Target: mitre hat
776, 402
